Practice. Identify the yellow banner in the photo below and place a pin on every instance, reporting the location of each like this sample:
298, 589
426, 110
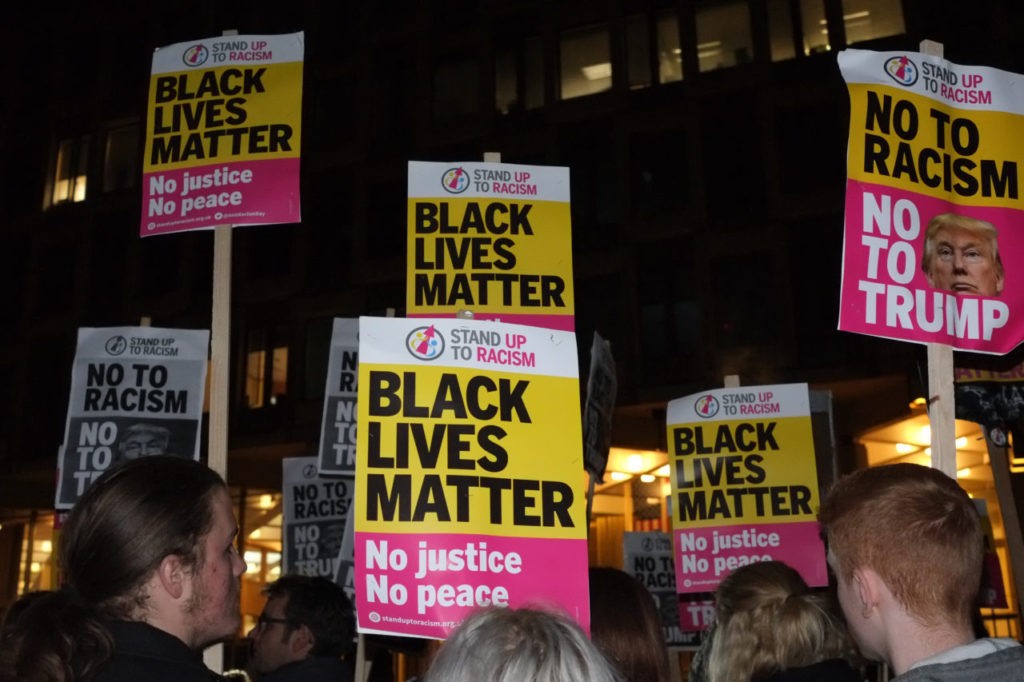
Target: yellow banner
468, 451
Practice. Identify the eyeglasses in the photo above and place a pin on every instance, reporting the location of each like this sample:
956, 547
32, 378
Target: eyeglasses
263, 621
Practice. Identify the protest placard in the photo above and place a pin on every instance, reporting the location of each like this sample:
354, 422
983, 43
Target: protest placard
933, 201
469, 473
338, 426
647, 556
135, 391
223, 134
744, 483
491, 239
315, 508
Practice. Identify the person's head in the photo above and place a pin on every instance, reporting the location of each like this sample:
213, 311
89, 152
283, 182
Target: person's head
153, 540
914, 529
961, 255
51, 637
143, 440
509, 645
626, 626
767, 619
304, 616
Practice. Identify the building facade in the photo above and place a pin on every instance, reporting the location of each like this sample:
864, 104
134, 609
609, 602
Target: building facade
706, 146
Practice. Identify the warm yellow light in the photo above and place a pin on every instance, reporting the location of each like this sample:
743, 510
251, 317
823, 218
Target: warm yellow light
618, 475
925, 434
46, 546
961, 442
256, 534
648, 478
905, 448
963, 473
666, 489
35, 567
266, 501
653, 500
662, 471
635, 463
928, 451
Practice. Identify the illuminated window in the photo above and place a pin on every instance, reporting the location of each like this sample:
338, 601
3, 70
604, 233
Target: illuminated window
670, 62
70, 171
780, 30
266, 367
723, 35
870, 19
815, 28
670, 56
586, 65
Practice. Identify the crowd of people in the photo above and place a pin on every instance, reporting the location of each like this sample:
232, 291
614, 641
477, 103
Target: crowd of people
152, 577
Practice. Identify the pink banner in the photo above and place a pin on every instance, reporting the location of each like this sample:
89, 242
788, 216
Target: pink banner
425, 584
236, 193
885, 291
704, 556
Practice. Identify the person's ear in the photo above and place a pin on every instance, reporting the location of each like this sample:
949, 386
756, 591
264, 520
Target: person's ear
301, 641
173, 575
867, 588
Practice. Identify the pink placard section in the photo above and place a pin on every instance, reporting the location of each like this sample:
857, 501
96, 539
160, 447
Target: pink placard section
240, 193
886, 293
565, 323
430, 582
704, 556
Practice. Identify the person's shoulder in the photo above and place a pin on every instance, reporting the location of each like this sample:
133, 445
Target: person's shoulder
143, 652
313, 669
133, 669
1002, 662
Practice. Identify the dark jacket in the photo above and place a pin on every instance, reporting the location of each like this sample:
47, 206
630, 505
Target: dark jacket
313, 669
143, 652
832, 670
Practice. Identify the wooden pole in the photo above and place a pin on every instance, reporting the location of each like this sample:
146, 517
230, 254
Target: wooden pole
941, 407
220, 351
220, 364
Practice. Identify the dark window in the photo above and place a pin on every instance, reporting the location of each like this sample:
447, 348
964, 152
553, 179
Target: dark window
55, 279
318, 344
733, 166
385, 234
121, 158
657, 172
519, 76
269, 250
810, 149
456, 88
746, 295
160, 266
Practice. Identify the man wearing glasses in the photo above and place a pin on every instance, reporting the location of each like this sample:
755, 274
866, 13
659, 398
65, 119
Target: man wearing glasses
304, 633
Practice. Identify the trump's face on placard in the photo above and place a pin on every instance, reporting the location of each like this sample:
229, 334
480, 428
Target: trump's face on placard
961, 256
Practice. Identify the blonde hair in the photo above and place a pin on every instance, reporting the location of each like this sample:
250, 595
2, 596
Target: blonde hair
514, 645
767, 620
